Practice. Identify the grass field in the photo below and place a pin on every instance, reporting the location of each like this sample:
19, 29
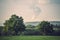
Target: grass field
30, 38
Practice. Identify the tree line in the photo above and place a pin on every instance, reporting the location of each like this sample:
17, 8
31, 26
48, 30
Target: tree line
15, 26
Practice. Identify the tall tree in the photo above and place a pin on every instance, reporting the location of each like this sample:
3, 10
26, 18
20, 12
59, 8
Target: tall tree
14, 23
45, 27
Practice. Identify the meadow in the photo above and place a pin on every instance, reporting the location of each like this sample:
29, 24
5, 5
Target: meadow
30, 38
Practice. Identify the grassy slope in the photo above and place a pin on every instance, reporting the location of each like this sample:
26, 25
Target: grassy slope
30, 38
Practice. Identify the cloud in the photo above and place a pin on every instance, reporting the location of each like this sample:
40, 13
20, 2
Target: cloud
35, 8
54, 1
30, 9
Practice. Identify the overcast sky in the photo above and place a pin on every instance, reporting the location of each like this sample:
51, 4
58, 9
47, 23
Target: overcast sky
30, 10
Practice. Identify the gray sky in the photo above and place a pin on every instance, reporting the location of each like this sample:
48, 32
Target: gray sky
30, 10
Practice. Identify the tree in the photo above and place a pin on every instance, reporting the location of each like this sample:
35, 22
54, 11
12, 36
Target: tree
19, 25
45, 27
15, 23
1, 29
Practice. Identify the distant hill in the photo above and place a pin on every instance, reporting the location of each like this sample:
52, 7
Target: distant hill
37, 22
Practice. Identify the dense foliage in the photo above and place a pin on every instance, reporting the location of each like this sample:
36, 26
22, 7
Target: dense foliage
45, 27
15, 26
15, 23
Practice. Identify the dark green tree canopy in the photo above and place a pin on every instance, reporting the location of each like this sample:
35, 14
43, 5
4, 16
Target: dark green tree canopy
45, 27
14, 23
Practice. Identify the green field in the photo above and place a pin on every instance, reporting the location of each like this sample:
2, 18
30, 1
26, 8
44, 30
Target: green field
30, 38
